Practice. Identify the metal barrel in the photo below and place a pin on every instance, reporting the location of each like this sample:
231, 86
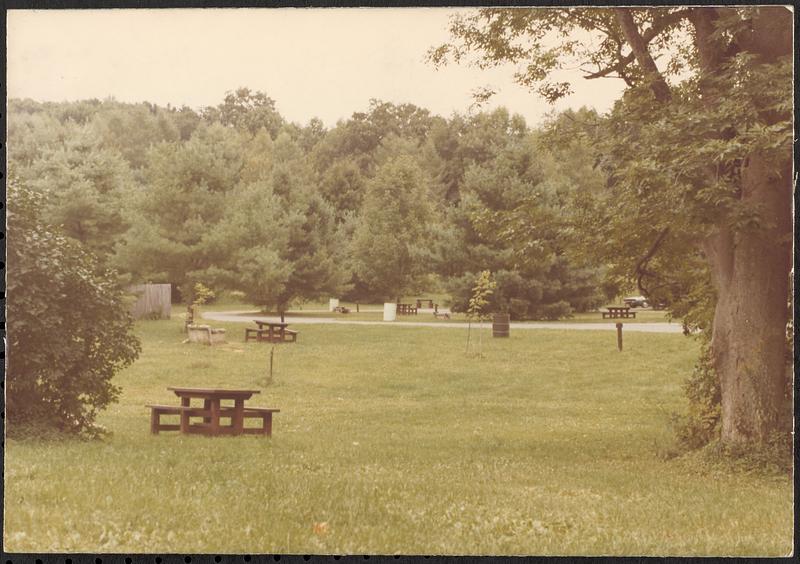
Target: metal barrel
500, 325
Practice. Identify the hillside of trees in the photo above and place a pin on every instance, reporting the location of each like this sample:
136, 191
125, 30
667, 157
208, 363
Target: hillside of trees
393, 200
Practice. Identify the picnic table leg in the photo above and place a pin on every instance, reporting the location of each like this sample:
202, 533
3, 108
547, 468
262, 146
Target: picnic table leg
266, 424
154, 423
215, 416
238, 416
207, 406
185, 402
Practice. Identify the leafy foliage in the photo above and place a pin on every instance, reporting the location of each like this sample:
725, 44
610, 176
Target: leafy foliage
484, 287
701, 424
478, 302
70, 330
515, 217
246, 111
202, 294
390, 248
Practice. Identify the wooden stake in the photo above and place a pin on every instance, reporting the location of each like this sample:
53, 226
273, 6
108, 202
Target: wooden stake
619, 336
271, 355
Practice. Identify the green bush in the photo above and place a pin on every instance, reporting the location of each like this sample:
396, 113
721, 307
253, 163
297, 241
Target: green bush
700, 425
69, 325
526, 298
203, 294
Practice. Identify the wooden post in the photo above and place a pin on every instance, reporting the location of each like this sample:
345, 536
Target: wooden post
271, 354
282, 320
619, 336
356, 307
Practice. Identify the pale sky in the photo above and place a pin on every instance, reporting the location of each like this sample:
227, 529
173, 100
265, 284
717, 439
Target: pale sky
326, 63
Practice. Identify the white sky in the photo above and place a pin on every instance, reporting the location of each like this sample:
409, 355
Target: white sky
326, 63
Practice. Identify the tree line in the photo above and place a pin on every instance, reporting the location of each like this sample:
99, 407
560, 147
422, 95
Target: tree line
389, 201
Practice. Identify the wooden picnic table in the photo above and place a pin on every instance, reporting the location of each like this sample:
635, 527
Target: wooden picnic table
406, 309
421, 300
270, 331
617, 312
212, 411
212, 400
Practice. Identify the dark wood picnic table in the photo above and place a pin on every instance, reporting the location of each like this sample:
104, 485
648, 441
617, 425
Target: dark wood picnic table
616, 312
212, 411
406, 309
270, 331
212, 400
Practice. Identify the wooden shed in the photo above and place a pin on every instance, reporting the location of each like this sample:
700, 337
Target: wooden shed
154, 301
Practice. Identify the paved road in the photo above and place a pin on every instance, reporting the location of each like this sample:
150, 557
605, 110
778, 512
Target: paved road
232, 316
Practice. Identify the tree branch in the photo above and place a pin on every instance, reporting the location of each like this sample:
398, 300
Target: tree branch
645, 60
641, 270
648, 35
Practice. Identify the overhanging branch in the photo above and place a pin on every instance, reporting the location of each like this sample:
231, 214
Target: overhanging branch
647, 36
641, 266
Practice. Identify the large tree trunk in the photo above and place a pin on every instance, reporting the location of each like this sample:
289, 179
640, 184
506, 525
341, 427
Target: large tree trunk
751, 274
751, 268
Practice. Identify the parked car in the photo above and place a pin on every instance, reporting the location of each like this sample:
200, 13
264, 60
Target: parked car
636, 301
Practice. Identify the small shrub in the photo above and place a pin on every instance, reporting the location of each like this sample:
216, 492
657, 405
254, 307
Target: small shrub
701, 424
203, 294
478, 310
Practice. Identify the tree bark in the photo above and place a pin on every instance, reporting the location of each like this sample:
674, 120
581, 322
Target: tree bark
645, 60
750, 268
750, 271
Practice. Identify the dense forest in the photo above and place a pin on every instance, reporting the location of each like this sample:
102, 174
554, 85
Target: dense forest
392, 200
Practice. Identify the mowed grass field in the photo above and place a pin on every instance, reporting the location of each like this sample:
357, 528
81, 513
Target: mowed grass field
391, 440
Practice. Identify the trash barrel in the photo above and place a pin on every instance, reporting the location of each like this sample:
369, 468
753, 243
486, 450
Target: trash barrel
500, 325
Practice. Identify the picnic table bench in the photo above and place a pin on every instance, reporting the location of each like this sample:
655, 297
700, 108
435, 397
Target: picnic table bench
406, 309
270, 332
615, 312
341, 309
211, 412
420, 301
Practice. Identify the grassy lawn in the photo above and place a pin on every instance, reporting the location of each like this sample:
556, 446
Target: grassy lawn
392, 441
